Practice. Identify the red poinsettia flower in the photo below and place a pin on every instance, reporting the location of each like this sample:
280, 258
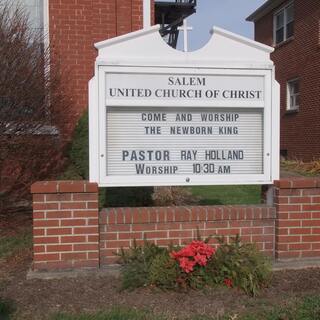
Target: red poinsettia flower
228, 282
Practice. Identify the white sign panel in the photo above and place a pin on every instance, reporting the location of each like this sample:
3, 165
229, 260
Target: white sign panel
172, 125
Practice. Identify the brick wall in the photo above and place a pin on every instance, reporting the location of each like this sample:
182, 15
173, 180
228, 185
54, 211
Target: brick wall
65, 225
74, 26
178, 225
298, 58
70, 233
297, 204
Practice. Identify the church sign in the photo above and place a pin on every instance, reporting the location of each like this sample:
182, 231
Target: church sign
164, 117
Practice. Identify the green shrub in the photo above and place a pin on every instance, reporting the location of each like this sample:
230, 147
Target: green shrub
235, 265
163, 271
136, 264
243, 264
78, 169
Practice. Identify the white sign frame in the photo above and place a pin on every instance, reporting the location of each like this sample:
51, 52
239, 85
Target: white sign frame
98, 109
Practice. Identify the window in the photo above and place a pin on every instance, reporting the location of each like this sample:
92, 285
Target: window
284, 24
293, 94
34, 9
35, 12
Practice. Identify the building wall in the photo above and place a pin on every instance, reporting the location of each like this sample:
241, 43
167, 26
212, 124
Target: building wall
74, 27
299, 57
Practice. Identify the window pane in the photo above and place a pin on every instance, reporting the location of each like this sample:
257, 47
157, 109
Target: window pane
291, 102
297, 100
290, 29
290, 13
280, 20
295, 87
279, 35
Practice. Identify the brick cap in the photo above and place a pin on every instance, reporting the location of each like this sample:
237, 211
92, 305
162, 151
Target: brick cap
64, 187
297, 183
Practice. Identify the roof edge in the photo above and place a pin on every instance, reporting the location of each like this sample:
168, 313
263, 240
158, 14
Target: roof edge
264, 9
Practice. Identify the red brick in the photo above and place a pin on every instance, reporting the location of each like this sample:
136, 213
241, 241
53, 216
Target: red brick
311, 207
44, 187
46, 256
39, 249
59, 248
38, 232
289, 208
288, 223
73, 205
125, 236
313, 238
86, 230
180, 234
288, 239
85, 197
310, 254
303, 183
71, 186
93, 222
45, 206
45, 223
59, 214
93, 238
58, 197
58, 231
38, 198
311, 192
299, 246
38, 215
85, 247
73, 222
285, 184
44, 240
92, 205
93, 255
118, 244
91, 187
73, 256
299, 199
73, 239
156, 235
299, 231
85, 214
311, 223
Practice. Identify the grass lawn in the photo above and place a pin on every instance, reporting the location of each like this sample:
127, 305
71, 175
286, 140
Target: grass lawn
228, 195
303, 309
9, 245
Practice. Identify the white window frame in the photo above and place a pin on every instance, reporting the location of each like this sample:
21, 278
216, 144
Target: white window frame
289, 95
285, 23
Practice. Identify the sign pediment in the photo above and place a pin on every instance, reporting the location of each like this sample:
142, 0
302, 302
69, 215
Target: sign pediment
147, 46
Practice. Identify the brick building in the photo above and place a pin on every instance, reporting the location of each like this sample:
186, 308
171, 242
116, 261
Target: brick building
71, 27
293, 29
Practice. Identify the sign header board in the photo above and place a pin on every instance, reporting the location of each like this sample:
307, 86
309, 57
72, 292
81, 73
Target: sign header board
171, 120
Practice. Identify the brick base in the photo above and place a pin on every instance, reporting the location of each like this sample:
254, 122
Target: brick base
119, 227
70, 233
65, 225
297, 202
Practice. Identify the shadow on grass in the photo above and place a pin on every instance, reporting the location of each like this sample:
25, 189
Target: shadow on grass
9, 245
307, 308
114, 314
7, 308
